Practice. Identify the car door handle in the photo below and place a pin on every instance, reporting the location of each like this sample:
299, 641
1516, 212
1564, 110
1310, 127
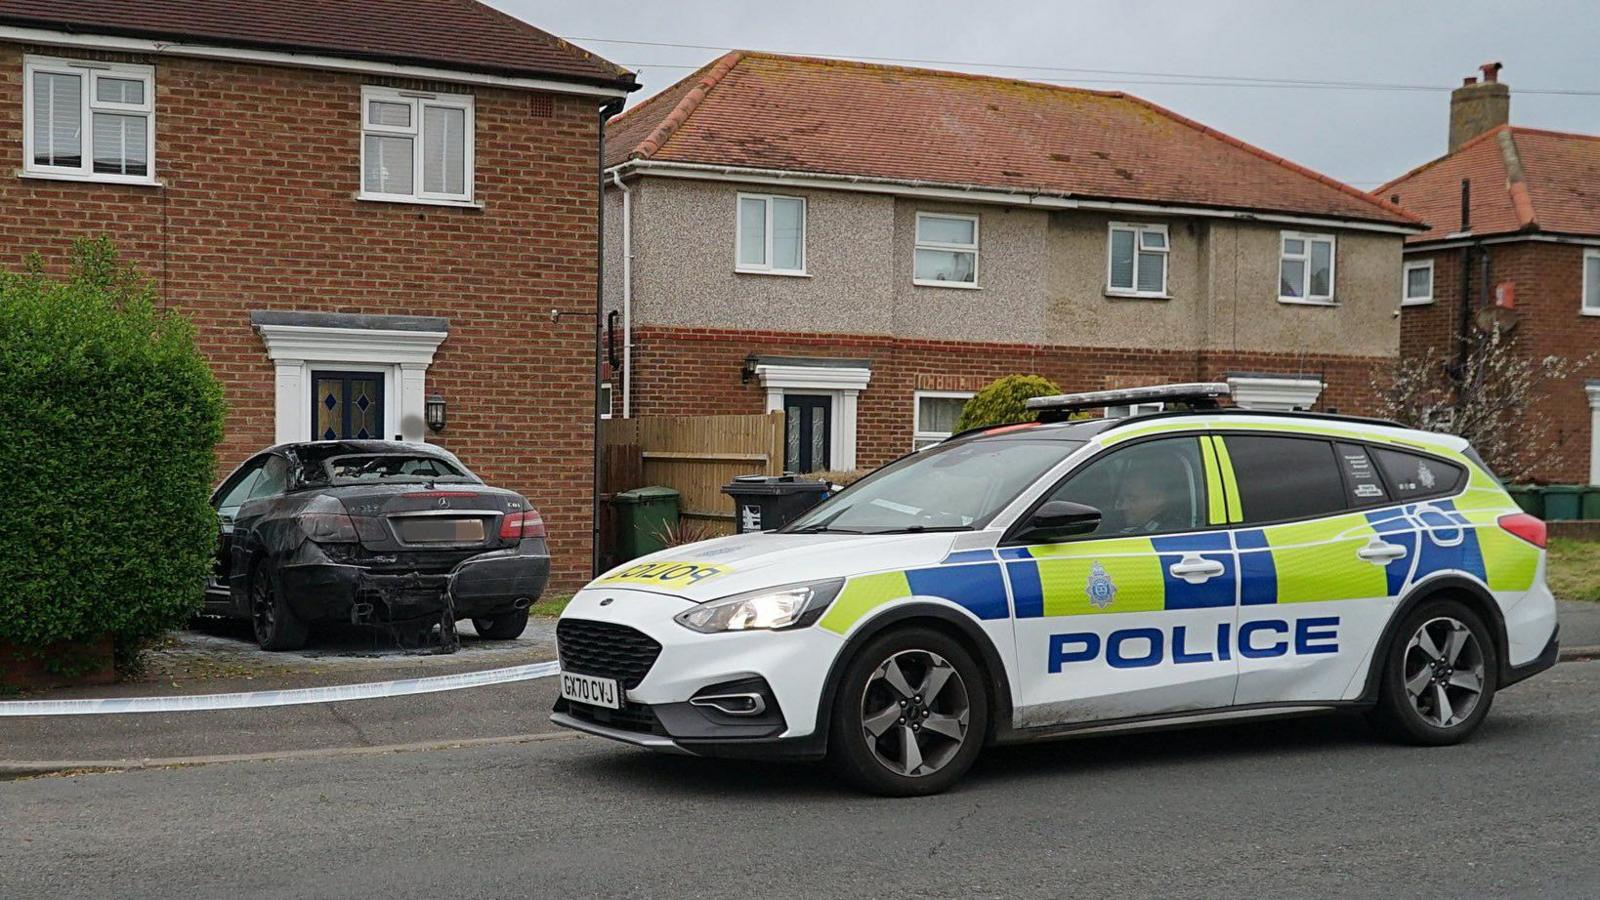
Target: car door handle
1196, 570
1382, 552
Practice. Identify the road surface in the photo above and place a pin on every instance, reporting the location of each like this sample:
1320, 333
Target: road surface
1312, 807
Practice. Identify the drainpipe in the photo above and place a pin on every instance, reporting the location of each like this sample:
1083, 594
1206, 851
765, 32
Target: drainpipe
1464, 322
606, 111
627, 295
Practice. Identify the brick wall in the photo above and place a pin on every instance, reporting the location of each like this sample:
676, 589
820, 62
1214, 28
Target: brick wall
1548, 279
259, 166
678, 369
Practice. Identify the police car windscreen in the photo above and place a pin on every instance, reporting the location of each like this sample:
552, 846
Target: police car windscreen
953, 488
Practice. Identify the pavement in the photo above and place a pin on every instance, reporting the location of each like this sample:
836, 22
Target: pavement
1305, 808
1580, 623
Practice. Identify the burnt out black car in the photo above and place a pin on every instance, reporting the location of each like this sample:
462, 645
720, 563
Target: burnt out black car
380, 532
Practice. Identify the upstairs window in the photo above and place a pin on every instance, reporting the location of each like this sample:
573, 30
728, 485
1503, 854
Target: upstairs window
1591, 282
771, 235
1138, 266
1418, 281
416, 146
1305, 268
947, 251
89, 120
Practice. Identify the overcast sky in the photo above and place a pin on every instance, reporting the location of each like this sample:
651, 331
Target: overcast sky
1361, 136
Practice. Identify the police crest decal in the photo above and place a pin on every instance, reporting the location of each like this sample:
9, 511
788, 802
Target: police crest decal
1101, 589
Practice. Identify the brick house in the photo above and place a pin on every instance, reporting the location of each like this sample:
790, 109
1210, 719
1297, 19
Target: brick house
360, 205
865, 246
1515, 214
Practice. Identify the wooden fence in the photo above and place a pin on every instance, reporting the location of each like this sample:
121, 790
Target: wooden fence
696, 455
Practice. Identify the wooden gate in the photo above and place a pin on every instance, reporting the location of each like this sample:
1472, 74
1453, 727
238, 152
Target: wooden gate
695, 455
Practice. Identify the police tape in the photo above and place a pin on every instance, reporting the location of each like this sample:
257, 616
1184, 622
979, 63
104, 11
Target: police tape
288, 697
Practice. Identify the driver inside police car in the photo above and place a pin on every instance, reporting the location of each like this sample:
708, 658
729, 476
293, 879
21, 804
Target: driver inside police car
1147, 501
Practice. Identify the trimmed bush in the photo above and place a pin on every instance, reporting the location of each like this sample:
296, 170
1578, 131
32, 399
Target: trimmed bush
1002, 402
109, 417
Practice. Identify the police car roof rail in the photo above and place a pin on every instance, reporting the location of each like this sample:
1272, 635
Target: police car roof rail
1284, 413
1199, 395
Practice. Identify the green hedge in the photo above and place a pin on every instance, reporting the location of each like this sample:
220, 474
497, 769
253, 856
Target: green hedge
1003, 401
109, 417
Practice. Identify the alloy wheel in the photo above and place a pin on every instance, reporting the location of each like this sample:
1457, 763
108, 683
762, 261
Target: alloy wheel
915, 713
1444, 672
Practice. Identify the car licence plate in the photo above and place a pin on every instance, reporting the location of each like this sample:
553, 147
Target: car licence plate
591, 690
431, 530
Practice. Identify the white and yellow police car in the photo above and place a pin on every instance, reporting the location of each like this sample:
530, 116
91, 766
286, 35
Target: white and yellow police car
1071, 576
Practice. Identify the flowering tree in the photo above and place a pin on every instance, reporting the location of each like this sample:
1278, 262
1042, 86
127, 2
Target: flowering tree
1486, 398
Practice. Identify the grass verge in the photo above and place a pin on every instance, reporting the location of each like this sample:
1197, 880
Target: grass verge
1573, 569
550, 606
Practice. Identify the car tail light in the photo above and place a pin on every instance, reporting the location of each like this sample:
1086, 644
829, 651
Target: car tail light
525, 524
329, 528
1529, 528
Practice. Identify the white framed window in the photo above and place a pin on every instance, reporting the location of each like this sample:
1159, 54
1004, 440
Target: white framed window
88, 120
1136, 260
1591, 282
946, 250
605, 400
1127, 410
416, 147
1305, 268
934, 416
1417, 283
771, 235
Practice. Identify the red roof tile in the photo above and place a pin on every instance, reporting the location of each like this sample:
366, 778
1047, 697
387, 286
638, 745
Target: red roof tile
821, 116
451, 34
1523, 179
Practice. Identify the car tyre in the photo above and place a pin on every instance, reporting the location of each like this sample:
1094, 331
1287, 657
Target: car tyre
1439, 676
911, 714
276, 626
506, 626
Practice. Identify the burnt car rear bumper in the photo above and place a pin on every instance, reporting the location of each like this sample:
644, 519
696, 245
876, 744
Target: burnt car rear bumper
493, 582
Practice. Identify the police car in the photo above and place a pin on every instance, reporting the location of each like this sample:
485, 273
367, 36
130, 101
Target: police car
1074, 576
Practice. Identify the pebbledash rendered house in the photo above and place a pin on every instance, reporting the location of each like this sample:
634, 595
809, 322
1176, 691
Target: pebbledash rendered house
361, 205
864, 246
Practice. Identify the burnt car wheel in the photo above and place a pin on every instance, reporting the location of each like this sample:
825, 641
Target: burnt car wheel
506, 626
276, 625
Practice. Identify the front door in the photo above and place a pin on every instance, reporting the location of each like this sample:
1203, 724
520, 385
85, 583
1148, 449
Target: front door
346, 405
808, 424
1136, 618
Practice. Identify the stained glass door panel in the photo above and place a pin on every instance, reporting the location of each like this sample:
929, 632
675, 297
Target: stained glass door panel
346, 405
809, 432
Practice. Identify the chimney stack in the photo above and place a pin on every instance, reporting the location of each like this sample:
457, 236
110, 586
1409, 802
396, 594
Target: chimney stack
1476, 106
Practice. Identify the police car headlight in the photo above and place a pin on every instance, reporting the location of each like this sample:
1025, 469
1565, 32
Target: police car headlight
791, 606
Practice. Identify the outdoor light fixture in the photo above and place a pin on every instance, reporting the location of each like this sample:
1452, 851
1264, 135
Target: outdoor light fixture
435, 412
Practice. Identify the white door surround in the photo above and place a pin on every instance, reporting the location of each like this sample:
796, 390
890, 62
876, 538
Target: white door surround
1593, 389
400, 347
839, 380
1275, 392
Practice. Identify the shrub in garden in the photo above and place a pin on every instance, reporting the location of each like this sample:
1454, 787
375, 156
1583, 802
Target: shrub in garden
1004, 401
109, 417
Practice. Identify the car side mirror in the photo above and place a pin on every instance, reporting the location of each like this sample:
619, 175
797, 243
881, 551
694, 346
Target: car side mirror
1058, 520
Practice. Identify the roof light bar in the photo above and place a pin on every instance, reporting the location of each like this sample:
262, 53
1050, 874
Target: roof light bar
1195, 395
